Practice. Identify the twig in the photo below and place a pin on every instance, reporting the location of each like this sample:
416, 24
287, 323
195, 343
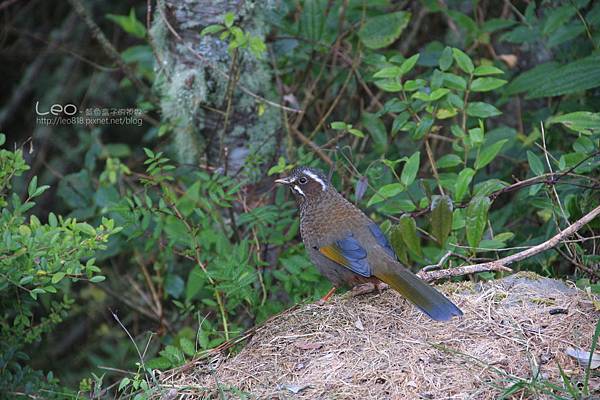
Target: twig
416, 25
433, 166
137, 349
501, 264
110, 50
312, 145
461, 271
333, 105
439, 265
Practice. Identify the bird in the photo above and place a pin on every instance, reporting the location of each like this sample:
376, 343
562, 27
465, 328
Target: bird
349, 249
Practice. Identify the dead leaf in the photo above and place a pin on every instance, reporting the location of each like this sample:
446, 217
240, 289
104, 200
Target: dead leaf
308, 345
359, 325
509, 59
583, 357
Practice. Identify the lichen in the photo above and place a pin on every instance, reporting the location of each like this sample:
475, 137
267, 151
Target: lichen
190, 86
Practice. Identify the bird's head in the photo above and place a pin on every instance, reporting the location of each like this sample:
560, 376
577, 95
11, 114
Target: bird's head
307, 184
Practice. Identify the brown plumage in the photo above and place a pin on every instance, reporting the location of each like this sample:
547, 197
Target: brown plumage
349, 249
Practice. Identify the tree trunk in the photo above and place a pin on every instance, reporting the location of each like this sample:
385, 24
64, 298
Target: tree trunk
199, 81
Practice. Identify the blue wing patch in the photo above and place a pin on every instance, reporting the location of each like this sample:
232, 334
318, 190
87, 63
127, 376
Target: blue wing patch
382, 240
349, 253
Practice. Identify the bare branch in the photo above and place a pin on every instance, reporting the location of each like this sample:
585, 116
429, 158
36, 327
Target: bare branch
110, 50
501, 264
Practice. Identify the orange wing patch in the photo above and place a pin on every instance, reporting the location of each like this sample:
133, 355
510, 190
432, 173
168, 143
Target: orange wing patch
334, 254
349, 253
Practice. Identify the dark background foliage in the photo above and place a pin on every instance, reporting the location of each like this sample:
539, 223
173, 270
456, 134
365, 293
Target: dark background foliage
162, 236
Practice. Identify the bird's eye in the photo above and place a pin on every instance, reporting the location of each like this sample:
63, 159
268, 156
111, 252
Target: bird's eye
302, 180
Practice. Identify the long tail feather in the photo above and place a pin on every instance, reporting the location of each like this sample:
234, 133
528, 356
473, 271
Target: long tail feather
429, 300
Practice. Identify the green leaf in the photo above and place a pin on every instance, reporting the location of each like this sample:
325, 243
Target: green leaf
449, 161
123, 384
584, 145
409, 64
40, 190
441, 218
408, 232
338, 125
257, 46
228, 19
195, 282
445, 61
476, 136
149, 153
531, 79
32, 186
388, 72
97, 279
558, 17
464, 21
2, 139
383, 30
412, 85
312, 19
453, 81
399, 121
187, 346
486, 84
409, 172
356, 132
26, 280
584, 122
423, 96
535, 164
389, 85
476, 216
438, 94
376, 128
504, 236
385, 192
210, 29
398, 244
487, 154
160, 363
484, 70
85, 228
57, 277
129, 23
463, 61
482, 110
574, 77
423, 127
461, 187
496, 24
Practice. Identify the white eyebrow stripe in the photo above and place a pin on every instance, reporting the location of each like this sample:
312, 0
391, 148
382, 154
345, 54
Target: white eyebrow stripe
316, 178
297, 189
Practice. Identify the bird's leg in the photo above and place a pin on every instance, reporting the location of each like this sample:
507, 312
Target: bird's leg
327, 296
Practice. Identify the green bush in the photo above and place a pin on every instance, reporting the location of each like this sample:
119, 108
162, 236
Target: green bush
39, 266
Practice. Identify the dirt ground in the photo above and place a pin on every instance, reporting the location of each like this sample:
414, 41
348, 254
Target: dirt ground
512, 338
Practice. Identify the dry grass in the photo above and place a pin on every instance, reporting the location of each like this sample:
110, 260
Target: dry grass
380, 347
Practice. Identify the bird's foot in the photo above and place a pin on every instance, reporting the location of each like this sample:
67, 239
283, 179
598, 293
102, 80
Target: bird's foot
363, 288
368, 287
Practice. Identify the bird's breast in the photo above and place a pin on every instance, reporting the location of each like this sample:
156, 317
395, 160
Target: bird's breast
329, 221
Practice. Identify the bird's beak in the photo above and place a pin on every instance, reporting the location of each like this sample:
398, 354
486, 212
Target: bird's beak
284, 181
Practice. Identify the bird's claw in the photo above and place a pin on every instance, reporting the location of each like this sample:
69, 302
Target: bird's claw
368, 287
